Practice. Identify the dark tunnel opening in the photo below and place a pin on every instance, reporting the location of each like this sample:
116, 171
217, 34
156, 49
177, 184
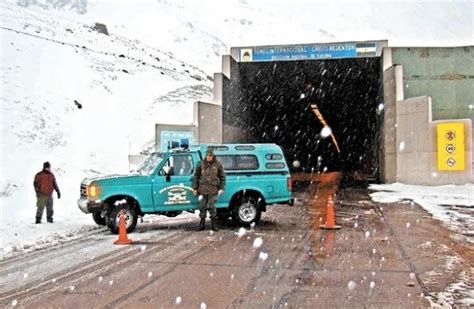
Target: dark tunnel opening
271, 103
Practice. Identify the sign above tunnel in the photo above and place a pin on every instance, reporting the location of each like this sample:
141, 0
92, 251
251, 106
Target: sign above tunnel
308, 51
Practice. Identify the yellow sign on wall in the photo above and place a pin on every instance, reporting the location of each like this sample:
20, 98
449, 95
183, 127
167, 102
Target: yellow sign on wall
451, 146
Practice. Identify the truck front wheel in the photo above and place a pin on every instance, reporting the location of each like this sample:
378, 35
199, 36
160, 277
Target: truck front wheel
131, 218
99, 218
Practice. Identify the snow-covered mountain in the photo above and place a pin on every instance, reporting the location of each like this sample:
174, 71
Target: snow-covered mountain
84, 100
81, 100
78, 6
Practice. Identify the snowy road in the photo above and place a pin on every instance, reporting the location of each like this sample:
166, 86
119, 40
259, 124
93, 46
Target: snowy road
382, 256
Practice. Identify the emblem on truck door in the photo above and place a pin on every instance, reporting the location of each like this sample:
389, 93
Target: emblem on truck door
177, 194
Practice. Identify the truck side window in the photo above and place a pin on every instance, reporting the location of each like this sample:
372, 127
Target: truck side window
181, 165
238, 162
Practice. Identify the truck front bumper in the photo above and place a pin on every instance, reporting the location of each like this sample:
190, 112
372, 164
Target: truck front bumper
88, 207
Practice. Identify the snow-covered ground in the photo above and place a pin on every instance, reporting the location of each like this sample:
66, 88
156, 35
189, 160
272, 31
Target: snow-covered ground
452, 205
83, 100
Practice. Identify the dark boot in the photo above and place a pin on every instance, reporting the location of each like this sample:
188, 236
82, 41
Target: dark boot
38, 221
50, 220
202, 225
213, 225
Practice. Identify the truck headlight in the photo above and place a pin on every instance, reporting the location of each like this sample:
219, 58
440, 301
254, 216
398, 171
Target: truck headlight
93, 191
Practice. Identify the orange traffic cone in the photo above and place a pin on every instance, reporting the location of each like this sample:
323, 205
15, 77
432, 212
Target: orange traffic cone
330, 221
123, 239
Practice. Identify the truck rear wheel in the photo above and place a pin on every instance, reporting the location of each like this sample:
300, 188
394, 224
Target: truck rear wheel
131, 218
246, 211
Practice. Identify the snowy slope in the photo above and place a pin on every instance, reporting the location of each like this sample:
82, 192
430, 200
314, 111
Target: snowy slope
122, 86
200, 31
155, 63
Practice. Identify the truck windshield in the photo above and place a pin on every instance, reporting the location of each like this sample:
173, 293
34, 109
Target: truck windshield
150, 163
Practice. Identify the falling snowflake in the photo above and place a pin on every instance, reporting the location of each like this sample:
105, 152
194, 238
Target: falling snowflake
367, 234
257, 242
203, 306
372, 284
242, 232
351, 285
14, 302
150, 274
178, 300
402, 145
263, 256
380, 107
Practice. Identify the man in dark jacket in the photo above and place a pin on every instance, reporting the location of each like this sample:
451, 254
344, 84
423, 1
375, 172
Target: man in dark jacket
208, 182
45, 184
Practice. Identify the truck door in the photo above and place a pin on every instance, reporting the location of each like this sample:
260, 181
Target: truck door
172, 185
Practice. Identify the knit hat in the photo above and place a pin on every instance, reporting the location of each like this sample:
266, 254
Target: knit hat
210, 152
46, 165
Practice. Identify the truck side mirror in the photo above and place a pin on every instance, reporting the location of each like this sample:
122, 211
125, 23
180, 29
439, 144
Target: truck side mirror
169, 171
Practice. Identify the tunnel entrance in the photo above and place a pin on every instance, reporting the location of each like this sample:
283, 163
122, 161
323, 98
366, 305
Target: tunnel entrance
274, 102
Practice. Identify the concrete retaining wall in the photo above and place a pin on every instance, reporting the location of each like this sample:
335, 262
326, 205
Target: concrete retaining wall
416, 149
438, 84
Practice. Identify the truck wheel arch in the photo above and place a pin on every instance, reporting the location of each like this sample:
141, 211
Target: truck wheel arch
129, 200
253, 193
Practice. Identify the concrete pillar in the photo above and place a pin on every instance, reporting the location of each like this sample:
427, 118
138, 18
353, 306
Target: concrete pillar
387, 58
399, 86
218, 88
388, 158
209, 123
226, 65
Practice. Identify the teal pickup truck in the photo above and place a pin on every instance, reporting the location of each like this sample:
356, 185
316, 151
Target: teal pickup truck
257, 175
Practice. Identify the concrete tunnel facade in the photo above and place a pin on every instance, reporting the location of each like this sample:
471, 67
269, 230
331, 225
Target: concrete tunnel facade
265, 94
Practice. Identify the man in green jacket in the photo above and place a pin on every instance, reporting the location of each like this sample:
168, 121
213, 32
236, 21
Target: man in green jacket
208, 182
